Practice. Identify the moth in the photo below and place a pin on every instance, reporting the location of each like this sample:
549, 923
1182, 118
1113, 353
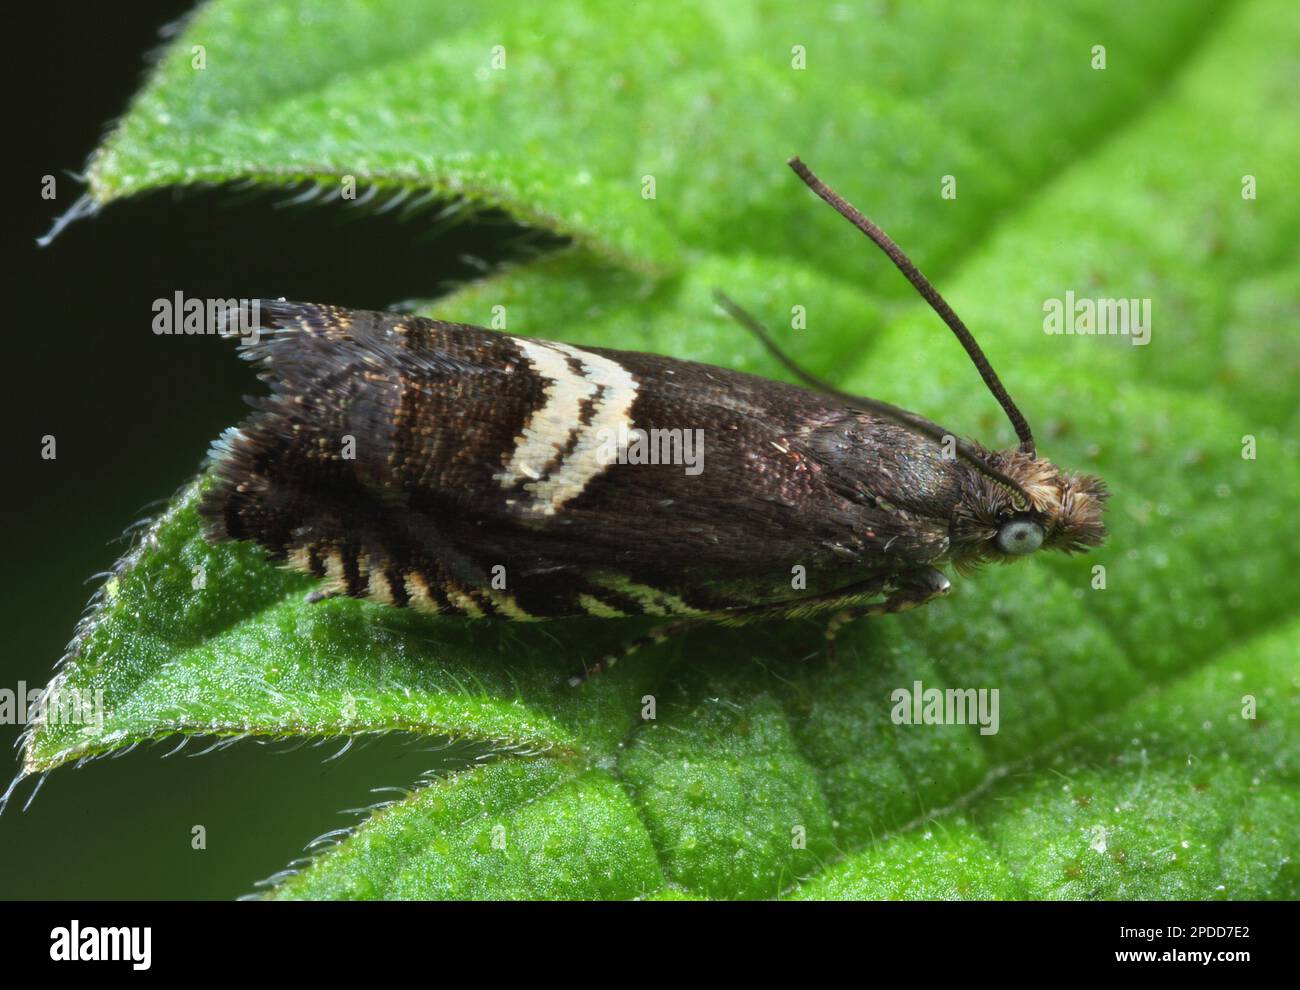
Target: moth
464, 471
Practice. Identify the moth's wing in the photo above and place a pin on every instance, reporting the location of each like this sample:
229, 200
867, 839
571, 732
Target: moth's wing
334, 429
403, 444
769, 487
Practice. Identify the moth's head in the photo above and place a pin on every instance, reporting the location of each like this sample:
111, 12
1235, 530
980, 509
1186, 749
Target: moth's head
1056, 511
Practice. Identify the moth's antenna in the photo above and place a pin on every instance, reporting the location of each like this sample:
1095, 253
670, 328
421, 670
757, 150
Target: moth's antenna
905, 419
928, 292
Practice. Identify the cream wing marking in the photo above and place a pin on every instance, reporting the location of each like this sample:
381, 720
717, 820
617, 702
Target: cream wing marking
548, 431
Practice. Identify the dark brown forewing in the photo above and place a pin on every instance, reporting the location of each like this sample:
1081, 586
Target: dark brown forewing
439, 415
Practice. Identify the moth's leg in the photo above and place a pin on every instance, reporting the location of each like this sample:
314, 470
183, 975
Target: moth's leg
656, 635
915, 588
321, 595
912, 589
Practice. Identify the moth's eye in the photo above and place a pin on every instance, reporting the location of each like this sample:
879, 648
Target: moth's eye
1020, 536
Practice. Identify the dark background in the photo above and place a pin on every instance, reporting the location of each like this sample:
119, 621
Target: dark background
133, 414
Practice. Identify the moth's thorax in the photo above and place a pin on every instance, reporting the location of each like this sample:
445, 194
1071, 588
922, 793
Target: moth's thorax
1068, 508
891, 465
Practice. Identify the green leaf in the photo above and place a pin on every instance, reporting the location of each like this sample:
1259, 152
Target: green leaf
1123, 765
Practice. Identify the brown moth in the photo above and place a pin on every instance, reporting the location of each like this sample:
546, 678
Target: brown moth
469, 472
